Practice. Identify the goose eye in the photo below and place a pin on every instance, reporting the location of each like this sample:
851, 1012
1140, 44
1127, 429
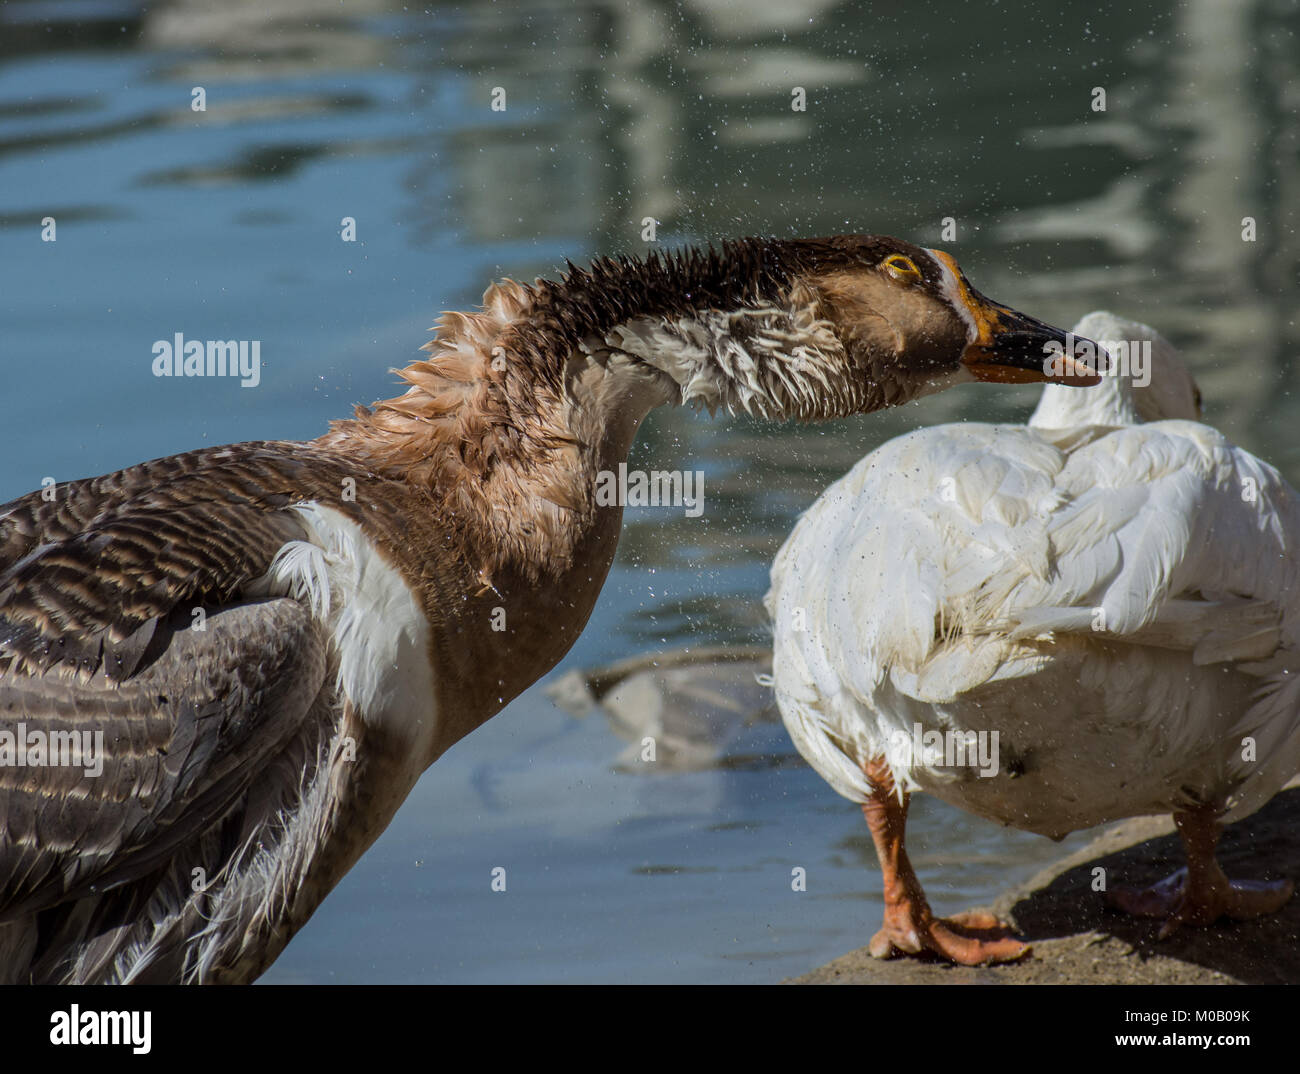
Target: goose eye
901, 268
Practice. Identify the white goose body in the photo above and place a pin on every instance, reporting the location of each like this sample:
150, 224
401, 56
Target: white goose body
1104, 609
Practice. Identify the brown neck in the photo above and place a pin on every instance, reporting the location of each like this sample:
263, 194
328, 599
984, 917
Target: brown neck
520, 405
510, 459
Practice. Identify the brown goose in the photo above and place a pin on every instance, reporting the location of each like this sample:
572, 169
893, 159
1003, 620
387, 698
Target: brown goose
259, 648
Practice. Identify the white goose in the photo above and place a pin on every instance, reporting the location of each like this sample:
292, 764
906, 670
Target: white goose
1095, 615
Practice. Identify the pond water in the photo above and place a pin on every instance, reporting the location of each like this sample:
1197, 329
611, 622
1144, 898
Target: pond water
225, 223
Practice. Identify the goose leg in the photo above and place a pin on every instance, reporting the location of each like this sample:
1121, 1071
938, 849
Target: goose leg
971, 939
1200, 894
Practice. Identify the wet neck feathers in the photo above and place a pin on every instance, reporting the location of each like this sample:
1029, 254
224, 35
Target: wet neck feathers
519, 406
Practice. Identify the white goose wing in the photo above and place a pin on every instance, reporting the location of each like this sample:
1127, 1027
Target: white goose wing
1167, 535
873, 572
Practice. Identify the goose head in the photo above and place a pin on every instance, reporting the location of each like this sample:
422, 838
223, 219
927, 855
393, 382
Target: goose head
1145, 380
823, 328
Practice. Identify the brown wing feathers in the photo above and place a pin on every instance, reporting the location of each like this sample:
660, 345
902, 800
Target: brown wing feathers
183, 740
86, 578
101, 580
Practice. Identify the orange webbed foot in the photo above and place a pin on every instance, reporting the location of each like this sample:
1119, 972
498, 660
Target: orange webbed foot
973, 938
1201, 904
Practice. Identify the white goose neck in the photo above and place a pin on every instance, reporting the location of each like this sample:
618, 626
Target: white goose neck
1109, 403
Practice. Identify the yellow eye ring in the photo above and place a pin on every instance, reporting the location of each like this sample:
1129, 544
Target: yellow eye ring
903, 269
